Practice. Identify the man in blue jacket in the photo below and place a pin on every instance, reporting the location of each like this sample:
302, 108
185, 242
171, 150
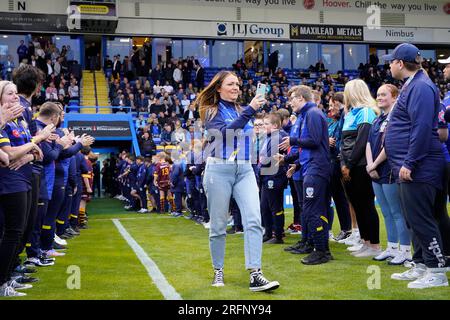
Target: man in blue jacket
315, 169
415, 156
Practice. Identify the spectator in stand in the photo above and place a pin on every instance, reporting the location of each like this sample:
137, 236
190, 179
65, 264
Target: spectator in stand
92, 55
166, 135
22, 51
199, 76
70, 56
8, 68
168, 73
142, 103
177, 75
147, 145
142, 71
168, 87
73, 90
191, 113
51, 93
117, 67
156, 74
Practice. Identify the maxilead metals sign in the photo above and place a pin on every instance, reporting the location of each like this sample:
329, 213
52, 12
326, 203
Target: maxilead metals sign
99, 129
326, 32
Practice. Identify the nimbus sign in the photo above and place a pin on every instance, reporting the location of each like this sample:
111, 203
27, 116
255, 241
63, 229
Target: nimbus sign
251, 30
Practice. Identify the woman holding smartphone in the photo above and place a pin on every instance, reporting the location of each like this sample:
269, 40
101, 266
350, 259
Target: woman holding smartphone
229, 173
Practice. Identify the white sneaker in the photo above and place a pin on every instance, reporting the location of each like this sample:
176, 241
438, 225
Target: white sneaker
388, 253
127, 207
400, 258
368, 252
355, 238
54, 253
430, 280
18, 286
60, 241
362, 249
8, 291
207, 225
142, 210
356, 247
416, 272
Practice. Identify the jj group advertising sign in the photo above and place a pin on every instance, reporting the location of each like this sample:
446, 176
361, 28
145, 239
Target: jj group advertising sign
251, 30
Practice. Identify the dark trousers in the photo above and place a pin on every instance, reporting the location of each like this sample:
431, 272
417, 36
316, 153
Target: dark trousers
360, 193
178, 198
62, 221
299, 189
203, 204
33, 248
295, 202
340, 200
417, 201
236, 213
143, 196
49, 223
315, 196
272, 210
440, 211
193, 197
15, 207
31, 217
75, 207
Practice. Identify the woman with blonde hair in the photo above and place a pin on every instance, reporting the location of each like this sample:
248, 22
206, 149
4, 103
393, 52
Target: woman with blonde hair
357, 183
229, 173
384, 185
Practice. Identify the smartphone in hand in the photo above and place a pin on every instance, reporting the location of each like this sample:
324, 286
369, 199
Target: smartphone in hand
261, 89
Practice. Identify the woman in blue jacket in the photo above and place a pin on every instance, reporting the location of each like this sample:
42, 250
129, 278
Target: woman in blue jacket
229, 173
357, 182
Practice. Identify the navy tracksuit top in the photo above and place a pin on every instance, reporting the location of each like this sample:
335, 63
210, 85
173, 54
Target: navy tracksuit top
411, 136
313, 141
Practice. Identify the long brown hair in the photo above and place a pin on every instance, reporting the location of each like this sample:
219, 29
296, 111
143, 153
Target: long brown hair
208, 99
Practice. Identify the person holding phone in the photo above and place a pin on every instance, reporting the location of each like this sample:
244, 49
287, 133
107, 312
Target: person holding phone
229, 173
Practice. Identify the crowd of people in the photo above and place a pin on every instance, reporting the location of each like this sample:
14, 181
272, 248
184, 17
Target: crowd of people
344, 151
60, 70
46, 179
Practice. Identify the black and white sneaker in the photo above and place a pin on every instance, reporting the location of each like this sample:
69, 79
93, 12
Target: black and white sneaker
259, 283
218, 278
39, 262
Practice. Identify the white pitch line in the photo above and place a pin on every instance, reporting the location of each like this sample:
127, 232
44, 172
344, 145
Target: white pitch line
155, 274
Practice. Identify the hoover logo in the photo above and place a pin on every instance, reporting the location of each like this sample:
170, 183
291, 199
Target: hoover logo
221, 29
251, 30
309, 4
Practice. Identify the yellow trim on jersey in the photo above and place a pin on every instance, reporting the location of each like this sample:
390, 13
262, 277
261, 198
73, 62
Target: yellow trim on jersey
46, 227
28, 245
319, 228
59, 221
324, 219
86, 176
279, 213
73, 216
5, 140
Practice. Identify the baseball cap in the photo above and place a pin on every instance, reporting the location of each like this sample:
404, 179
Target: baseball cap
444, 61
405, 51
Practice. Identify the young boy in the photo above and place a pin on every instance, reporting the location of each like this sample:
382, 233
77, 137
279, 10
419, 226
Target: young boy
177, 184
162, 181
273, 180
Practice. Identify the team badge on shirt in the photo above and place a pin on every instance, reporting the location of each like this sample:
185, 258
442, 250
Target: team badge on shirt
310, 192
270, 184
16, 133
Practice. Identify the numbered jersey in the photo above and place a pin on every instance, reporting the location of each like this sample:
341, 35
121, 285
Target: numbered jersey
162, 174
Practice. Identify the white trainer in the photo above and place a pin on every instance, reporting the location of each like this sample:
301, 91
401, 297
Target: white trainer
386, 254
368, 252
356, 247
363, 248
416, 272
400, 258
8, 291
60, 241
207, 225
430, 280
354, 238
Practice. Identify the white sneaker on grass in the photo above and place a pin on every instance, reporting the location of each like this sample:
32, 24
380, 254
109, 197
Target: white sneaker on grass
207, 225
53, 253
368, 252
8, 291
352, 240
386, 254
60, 241
416, 272
430, 280
18, 286
400, 258
363, 248
356, 247
218, 278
